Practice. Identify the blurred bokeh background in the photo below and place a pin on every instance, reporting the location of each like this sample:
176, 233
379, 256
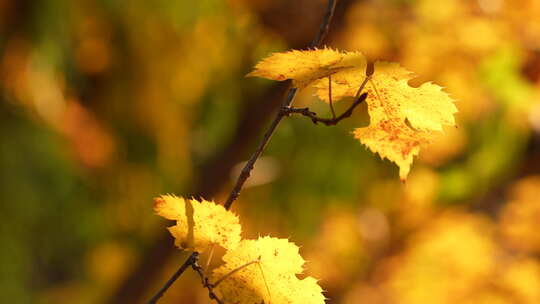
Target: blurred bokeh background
106, 104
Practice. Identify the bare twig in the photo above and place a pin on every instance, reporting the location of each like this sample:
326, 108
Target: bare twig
246, 171
189, 262
325, 25
205, 282
326, 121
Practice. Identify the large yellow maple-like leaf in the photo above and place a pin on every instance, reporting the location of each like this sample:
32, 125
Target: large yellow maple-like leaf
304, 67
199, 225
271, 279
402, 118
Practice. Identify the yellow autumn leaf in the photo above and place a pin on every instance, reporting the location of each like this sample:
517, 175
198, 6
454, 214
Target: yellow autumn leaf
270, 279
402, 118
199, 225
394, 140
304, 67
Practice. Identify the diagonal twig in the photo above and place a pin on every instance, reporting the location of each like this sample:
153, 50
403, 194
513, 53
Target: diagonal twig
189, 262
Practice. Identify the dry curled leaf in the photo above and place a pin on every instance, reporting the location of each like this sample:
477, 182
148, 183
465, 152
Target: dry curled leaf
199, 225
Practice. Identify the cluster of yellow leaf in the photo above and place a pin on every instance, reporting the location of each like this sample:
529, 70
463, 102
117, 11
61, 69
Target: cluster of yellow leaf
255, 271
402, 117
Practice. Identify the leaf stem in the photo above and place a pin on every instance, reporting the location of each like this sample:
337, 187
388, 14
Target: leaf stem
326, 121
265, 282
233, 272
330, 96
210, 256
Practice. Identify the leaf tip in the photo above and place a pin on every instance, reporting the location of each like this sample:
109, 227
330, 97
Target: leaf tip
158, 203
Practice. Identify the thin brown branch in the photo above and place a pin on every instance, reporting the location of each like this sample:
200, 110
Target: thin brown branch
246, 171
205, 282
189, 262
325, 25
326, 121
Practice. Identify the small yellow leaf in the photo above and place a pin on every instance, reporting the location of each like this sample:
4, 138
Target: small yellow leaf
199, 225
272, 279
304, 67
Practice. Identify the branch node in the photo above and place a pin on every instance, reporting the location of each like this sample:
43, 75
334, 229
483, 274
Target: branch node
206, 282
326, 121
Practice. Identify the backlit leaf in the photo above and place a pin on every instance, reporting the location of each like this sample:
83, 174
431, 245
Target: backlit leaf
402, 118
199, 225
304, 67
272, 279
